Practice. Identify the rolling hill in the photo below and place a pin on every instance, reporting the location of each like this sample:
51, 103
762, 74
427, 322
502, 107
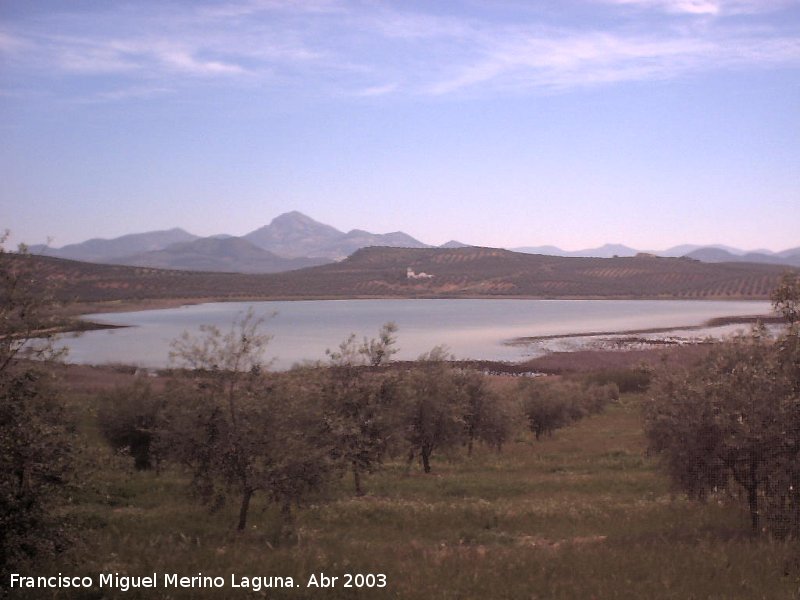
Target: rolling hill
104, 250
716, 255
457, 272
227, 254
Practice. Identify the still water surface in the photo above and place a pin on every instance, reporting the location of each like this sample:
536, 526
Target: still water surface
477, 329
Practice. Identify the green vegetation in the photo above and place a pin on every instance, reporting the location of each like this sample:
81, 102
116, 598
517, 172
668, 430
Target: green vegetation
128, 416
580, 514
732, 423
541, 489
238, 432
357, 403
35, 441
551, 405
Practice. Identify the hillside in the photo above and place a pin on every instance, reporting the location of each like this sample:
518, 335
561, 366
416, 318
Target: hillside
228, 254
715, 255
294, 235
457, 272
104, 250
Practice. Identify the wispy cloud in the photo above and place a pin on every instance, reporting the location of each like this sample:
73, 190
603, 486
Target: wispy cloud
378, 90
706, 7
567, 59
129, 93
354, 49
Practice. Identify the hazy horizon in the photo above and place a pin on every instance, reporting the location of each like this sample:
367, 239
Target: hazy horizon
609, 243
648, 123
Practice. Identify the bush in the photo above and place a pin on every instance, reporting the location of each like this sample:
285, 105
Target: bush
550, 405
128, 418
35, 437
239, 430
627, 380
733, 423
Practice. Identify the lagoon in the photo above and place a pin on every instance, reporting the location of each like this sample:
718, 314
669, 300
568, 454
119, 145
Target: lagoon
471, 329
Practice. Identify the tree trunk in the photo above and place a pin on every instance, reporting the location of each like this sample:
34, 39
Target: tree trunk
794, 498
287, 524
469, 445
410, 461
426, 463
357, 479
752, 500
752, 495
245, 506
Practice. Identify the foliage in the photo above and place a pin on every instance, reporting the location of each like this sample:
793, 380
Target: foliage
486, 417
551, 405
358, 402
35, 460
128, 417
583, 516
27, 319
433, 411
378, 351
732, 423
786, 299
631, 380
240, 431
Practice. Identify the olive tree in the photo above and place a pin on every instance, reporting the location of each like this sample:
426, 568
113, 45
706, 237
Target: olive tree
786, 299
358, 402
238, 430
35, 436
486, 417
128, 418
733, 422
433, 410
550, 405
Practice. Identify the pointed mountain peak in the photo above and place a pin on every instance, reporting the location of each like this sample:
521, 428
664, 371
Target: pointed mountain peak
295, 218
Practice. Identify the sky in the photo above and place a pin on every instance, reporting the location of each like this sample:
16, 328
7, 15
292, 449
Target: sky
504, 123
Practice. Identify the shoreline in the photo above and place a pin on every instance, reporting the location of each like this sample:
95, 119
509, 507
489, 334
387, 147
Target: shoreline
76, 324
136, 305
625, 339
715, 322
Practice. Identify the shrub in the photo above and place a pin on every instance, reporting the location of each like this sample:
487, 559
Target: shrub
635, 380
128, 418
35, 437
550, 405
733, 422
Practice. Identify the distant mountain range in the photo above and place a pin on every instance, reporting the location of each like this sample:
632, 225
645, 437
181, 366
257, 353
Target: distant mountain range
294, 235
228, 254
291, 241
716, 255
294, 240
103, 251
711, 254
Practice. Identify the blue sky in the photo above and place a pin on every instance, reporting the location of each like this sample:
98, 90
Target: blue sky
495, 122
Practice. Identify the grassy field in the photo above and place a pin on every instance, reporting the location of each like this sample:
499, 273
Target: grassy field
583, 514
